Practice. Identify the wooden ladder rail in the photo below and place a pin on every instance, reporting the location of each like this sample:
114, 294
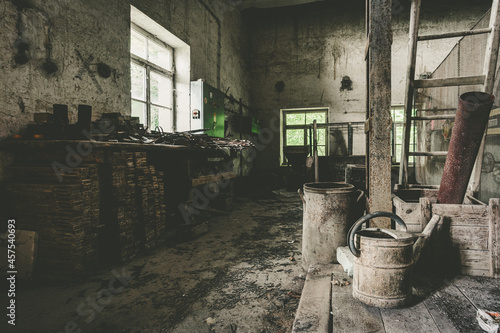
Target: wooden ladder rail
487, 80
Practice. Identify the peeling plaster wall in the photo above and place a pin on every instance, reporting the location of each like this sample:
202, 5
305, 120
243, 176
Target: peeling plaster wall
86, 32
312, 47
93, 31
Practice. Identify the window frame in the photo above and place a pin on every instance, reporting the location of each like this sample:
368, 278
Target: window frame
152, 67
306, 127
396, 158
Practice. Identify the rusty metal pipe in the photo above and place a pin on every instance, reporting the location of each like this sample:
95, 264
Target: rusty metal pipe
470, 122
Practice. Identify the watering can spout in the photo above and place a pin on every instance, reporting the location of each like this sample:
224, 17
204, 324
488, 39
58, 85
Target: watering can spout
424, 237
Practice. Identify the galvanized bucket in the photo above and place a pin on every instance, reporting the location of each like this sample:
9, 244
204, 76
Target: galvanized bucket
328, 216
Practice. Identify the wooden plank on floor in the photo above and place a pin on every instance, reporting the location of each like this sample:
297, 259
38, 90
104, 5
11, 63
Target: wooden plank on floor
450, 309
313, 314
484, 292
349, 314
412, 319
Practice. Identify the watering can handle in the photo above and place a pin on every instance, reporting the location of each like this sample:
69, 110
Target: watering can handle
364, 219
361, 194
301, 193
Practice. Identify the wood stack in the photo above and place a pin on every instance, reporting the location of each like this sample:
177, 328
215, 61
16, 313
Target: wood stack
104, 212
120, 207
150, 202
66, 215
136, 215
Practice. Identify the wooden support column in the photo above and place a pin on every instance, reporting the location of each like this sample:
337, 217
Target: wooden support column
379, 155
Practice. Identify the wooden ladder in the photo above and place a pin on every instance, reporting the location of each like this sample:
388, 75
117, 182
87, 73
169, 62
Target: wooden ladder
486, 79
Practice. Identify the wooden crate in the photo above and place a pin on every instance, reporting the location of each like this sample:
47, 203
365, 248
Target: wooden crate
465, 240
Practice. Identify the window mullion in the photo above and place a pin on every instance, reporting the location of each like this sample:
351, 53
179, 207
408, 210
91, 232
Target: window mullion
148, 96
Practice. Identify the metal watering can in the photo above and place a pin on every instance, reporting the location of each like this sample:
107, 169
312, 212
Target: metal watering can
384, 260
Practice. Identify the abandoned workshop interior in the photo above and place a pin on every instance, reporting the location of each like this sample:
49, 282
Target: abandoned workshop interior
250, 166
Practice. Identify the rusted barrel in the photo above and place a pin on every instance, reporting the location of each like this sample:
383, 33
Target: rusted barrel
328, 216
383, 264
470, 122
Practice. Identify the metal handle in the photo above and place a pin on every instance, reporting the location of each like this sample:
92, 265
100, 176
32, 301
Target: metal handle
301, 193
362, 194
364, 219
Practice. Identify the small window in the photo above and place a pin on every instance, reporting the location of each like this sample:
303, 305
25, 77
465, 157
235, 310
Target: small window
296, 127
152, 80
397, 113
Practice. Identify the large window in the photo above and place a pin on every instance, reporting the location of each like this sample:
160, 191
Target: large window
397, 134
296, 127
152, 76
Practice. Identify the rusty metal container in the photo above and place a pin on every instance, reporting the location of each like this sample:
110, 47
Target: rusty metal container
328, 216
470, 122
384, 260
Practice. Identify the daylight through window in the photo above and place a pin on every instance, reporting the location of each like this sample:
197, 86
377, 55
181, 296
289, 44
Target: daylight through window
296, 124
152, 76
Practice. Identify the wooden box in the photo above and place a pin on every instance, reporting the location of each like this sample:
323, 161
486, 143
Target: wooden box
466, 238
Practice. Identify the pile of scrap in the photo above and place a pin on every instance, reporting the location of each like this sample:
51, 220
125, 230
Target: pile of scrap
201, 141
65, 214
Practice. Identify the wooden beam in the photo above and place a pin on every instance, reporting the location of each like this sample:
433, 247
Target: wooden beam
494, 236
436, 117
455, 34
449, 81
410, 76
315, 147
490, 65
380, 107
427, 153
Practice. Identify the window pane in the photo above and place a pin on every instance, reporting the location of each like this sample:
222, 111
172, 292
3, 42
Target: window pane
161, 89
319, 116
321, 136
398, 153
161, 117
139, 110
138, 44
295, 118
398, 115
295, 137
138, 78
321, 151
159, 55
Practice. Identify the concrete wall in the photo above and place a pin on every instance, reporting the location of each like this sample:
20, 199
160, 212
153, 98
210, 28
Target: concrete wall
312, 47
94, 31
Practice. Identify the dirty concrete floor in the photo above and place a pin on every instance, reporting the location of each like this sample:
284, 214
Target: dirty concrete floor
244, 275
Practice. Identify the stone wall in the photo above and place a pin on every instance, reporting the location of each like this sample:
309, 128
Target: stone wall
83, 33
312, 47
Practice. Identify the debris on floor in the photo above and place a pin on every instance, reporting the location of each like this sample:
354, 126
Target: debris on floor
488, 320
236, 276
342, 283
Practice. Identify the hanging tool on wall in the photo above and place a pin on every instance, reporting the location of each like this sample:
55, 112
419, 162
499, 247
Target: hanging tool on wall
48, 66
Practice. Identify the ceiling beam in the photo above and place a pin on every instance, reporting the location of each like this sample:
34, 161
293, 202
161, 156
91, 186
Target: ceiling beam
244, 4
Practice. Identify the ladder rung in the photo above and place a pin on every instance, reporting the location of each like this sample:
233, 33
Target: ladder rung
436, 110
436, 117
449, 82
427, 153
455, 34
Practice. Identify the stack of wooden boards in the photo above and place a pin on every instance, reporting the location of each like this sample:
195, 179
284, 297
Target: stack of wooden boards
65, 214
105, 211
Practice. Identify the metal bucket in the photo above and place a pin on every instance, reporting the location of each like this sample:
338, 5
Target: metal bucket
328, 216
383, 264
